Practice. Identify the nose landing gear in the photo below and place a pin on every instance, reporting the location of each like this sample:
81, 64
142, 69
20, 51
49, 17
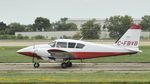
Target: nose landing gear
36, 65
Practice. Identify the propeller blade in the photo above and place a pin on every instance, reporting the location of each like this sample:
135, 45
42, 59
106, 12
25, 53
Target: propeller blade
33, 52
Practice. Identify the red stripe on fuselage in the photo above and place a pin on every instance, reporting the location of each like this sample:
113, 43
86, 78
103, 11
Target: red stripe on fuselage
85, 55
26, 53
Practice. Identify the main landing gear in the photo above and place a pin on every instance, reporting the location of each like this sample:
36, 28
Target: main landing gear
66, 64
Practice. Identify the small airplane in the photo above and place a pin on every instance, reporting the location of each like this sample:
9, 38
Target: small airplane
64, 50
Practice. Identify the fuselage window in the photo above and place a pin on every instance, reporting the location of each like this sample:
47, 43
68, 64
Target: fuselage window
71, 45
79, 45
62, 44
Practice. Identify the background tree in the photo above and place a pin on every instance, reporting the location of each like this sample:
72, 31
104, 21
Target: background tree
42, 24
145, 23
63, 20
3, 28
29, 28
63, 26
77, 35
71, 27
90, 30
117, 25
15, 27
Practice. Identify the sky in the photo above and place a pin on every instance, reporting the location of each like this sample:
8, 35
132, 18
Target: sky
25, 11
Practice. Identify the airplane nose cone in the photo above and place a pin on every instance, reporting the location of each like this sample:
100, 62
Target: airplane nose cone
25, 52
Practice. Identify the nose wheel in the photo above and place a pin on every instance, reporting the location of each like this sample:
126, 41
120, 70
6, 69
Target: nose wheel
36, 65
66, 64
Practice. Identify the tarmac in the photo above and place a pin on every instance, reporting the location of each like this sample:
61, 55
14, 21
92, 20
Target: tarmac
29, 43
77, 67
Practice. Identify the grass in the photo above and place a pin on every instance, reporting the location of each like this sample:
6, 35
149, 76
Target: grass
9, 55
16, 76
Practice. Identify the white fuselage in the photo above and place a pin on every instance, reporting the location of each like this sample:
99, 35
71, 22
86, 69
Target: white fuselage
90, 50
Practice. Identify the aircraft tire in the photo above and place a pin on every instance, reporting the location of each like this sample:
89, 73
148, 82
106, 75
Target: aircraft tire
36, 65
64, 65
69, 64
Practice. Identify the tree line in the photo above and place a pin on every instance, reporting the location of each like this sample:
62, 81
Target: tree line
116, 25
40, 24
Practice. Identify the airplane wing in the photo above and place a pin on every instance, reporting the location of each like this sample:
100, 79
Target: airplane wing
134, 50
60, 54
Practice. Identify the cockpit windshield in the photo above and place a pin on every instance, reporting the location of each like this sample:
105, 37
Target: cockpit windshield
52, 44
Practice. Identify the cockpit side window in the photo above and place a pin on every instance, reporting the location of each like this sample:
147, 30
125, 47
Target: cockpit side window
79, 45
62, 44
71, 45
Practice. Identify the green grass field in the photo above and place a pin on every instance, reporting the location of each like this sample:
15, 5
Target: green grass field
16, 76
9, 55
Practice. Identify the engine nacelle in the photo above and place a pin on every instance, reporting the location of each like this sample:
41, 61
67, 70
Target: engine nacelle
42, 53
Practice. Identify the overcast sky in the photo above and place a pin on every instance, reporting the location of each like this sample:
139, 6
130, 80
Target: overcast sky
25, 11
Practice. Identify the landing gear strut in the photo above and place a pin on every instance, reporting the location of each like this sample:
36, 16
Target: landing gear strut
66, 64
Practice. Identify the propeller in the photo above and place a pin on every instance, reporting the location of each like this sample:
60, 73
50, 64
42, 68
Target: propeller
33, 52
